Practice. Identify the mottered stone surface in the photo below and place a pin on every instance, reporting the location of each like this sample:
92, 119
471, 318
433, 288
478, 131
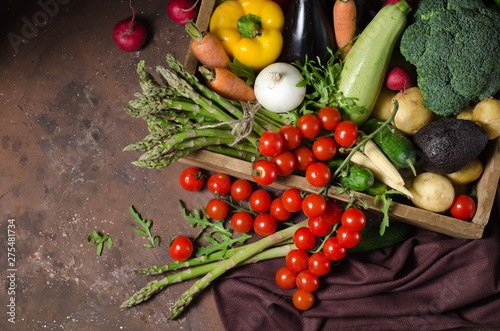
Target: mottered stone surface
63, 173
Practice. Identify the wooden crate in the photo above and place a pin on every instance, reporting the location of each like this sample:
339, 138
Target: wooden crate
486, 188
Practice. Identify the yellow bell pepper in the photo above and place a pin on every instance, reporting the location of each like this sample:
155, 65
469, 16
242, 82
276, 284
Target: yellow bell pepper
250, 30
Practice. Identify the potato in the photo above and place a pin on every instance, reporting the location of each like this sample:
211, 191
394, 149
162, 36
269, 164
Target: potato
411, 115
487, 114
384, 106
467, 174
432, 192
465, 115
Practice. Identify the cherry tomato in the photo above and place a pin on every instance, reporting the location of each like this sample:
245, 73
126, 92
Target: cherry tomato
292, 200
324, 148
333, 250
346, 238
333, 212
265, 225
463, 207
181, 248
242, 222
318, 227
319, 264
302, 300
304, 157
265, 172
241, 189
318, 174
309, 125
270, 143
220, 183
296, 260
217, 209
304, 239
329, 117
260, 201
278, 211
191, 179
284, 163
291, 136
353, 219
286, 278
346, 133
314, 205
307, 281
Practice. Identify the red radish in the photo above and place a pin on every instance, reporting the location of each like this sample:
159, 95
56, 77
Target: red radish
398, 79
181, 11
131, 35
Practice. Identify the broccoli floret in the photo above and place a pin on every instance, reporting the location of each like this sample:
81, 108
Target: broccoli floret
454, 45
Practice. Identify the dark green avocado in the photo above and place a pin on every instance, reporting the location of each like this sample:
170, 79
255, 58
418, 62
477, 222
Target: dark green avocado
449, 144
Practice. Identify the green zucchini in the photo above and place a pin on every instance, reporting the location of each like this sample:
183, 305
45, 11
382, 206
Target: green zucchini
365, 66
398, 147
358, 177
372, 240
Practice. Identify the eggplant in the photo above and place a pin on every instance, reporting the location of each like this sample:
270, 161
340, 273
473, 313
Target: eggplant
308, 31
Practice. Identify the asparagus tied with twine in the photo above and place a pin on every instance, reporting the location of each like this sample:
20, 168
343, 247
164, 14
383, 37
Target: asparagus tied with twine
183, 115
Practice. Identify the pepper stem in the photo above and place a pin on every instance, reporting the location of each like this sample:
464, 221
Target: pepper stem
250, 26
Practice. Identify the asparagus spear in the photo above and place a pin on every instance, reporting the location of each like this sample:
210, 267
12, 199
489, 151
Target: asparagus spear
233, 261
156, 286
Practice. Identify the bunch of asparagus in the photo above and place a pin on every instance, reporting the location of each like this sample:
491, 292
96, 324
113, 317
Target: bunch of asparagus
209, 267
184, 115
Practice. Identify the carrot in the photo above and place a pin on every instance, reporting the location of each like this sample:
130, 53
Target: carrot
207, 48
227, 84
344, 24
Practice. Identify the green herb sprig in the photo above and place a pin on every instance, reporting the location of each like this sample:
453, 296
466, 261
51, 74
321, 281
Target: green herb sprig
99, 240
146, 225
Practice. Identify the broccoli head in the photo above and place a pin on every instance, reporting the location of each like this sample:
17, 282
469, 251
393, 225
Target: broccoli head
454, 45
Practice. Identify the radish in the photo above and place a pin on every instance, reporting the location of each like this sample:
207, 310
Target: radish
398, 79
181, 11
131, 35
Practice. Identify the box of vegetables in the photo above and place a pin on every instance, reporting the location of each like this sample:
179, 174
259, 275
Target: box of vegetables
400, 103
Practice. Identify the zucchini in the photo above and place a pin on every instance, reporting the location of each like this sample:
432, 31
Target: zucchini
358, 178
366, 64
398, 147
372, 240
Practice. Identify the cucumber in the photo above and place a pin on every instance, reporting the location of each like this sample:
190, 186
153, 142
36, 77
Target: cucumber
398, 148
366, 64
378, 187
372, 240
358, 178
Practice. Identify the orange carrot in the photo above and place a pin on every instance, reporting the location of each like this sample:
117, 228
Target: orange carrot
207, 48
344, 24
227, 84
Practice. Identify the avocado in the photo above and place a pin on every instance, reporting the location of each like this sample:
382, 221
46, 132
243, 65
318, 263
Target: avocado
449, 144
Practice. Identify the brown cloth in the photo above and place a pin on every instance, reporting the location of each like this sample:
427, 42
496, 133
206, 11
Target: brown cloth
428, 282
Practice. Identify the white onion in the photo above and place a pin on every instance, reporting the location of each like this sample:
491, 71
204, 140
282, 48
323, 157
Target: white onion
276, 87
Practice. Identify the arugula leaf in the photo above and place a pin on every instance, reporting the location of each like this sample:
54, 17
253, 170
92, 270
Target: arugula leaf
386, 200
154, 240
323, 80
242, 71
96, 239
215, 245
224, 235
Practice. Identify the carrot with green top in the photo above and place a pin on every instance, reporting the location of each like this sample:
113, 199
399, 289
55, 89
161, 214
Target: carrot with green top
226, 83
344, 24
207, 48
